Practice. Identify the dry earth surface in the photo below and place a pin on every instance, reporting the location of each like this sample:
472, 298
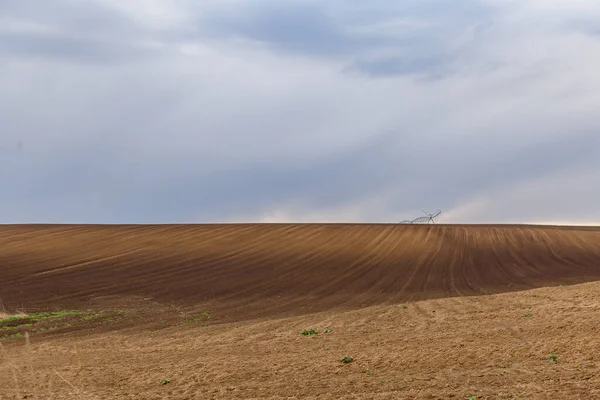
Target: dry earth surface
217, 311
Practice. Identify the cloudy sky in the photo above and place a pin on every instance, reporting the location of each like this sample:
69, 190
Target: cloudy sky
154, 111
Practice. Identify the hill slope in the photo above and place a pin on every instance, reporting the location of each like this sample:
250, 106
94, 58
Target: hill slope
258, 269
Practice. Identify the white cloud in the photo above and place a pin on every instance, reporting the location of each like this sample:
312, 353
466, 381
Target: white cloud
565, 198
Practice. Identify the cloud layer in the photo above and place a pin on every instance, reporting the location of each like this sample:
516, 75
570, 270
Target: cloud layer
150, 111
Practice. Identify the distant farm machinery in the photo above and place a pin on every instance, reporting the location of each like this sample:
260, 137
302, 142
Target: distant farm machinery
428, 219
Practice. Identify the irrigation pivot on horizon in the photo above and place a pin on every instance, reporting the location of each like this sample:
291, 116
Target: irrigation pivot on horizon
429, 219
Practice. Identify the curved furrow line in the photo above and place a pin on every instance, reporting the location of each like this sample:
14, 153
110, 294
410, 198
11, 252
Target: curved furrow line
419, 258
455, 263
429, 261
402, 266
537, 261
505, 259
202, 270
230, 253
388, 262
391, 261
578, 248
262, 250
357, 268
83, 264
554, 252
296, 276
305, 263
215, 235
365, 270
469, 262
438, 278
497, 262
526, 248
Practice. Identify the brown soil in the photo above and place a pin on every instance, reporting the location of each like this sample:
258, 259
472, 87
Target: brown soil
218, 310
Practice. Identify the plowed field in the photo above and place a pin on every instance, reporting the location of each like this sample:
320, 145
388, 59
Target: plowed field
267, 269
427, 311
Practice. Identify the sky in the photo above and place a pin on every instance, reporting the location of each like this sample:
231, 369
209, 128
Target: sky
170, 111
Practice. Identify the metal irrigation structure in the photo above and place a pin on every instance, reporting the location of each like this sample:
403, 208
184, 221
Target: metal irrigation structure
429, 219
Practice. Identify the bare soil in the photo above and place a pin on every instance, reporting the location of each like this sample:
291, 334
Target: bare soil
217, 311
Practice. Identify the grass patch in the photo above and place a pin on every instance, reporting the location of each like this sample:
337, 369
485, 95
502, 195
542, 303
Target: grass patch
11, 318
13, 326
35, 317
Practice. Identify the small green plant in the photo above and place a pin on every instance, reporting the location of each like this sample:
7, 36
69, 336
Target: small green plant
472, 398
368, 372
527, 316
203, 317
309, 332
346, 359
553, 357
165, 381
92, 315
327, 330
404, 306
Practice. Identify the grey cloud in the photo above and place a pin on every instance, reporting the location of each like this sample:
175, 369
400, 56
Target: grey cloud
75, 17
65, 47
289, 28
87, 32
350, 30
433, 66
